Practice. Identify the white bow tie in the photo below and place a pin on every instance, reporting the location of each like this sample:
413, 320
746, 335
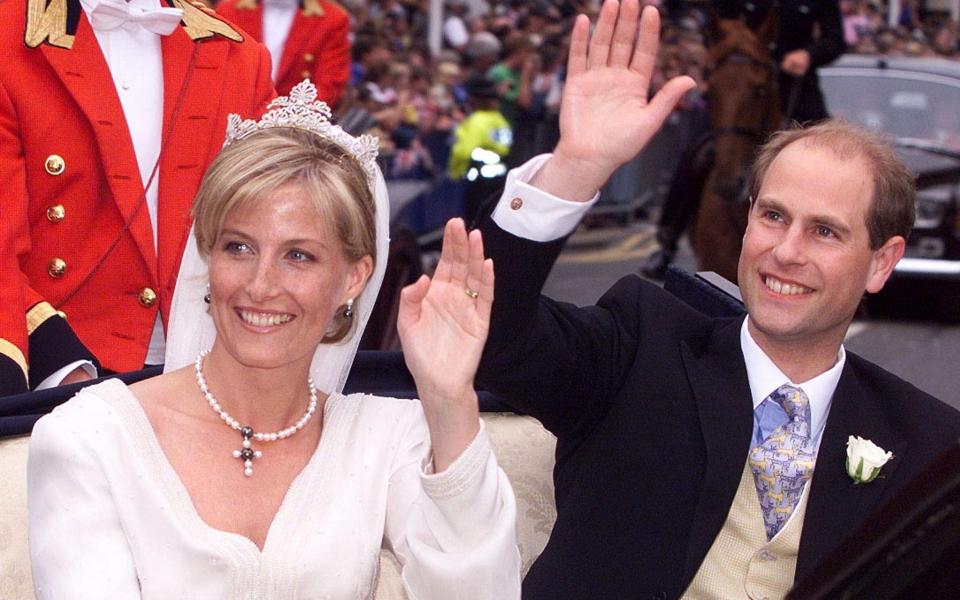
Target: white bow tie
109, 14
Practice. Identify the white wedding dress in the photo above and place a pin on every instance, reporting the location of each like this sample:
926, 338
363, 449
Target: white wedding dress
110, 519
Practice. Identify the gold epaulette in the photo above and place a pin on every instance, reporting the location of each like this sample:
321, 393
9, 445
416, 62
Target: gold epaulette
313, 8
200, 22
47, 23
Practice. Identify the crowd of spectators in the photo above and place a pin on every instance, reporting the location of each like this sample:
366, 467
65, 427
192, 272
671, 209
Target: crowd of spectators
414, 101
867, 30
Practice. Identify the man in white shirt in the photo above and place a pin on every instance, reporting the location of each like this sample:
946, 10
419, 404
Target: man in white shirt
110, 112
699, 457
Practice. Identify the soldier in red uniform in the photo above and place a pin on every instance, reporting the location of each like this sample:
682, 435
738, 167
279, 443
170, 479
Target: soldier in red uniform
109, 114
306, 38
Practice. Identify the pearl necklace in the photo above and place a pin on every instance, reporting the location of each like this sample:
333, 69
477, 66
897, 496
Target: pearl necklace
247, 454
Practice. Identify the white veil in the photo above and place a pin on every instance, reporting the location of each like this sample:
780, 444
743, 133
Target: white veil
191, 329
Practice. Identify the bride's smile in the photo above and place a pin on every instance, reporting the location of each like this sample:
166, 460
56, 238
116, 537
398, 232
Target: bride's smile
264, 320
278, 278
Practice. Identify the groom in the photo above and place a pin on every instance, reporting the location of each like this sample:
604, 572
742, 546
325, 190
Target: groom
698, 457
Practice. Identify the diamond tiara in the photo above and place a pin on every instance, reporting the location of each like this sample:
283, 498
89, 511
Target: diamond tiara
302, 110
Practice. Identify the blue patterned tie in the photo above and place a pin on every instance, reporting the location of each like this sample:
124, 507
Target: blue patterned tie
783, 463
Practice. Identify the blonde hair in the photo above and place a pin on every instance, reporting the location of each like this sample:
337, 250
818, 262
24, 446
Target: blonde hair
893, 208
252, 168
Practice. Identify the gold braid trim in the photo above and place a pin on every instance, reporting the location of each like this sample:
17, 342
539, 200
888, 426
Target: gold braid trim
246, 5
199, 22
313, 8
8, 349
47, 23
40, 312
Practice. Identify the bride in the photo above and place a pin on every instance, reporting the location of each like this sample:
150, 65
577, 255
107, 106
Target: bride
242, 471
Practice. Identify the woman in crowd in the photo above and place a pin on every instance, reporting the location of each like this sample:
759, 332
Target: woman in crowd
242, 471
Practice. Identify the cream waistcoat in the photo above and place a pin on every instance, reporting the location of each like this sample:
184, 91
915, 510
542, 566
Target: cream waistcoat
741, 562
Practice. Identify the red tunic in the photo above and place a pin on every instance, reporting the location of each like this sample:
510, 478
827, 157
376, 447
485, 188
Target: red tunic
73, 203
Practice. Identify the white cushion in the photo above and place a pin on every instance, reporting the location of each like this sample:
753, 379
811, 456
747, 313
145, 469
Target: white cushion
15, 580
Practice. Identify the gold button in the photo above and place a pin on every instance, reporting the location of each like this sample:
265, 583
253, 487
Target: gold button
54, 164
516, 203
147, 297
56, 213
308, 58
305, 74
56, 268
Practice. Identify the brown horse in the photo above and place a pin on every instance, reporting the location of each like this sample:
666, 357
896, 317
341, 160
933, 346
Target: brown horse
744, 110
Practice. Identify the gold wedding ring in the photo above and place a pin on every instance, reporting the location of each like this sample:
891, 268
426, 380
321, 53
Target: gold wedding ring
472, 293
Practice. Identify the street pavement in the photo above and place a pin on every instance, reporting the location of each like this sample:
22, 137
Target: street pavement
924, 353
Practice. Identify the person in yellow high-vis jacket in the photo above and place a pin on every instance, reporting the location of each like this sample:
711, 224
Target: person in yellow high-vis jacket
482, 143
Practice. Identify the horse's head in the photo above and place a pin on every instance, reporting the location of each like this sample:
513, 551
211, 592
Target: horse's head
744, 100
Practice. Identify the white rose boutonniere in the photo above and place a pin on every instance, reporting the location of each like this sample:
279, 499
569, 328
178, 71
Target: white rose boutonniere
865, 459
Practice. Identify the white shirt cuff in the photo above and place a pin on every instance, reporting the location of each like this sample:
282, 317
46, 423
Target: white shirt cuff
531, 213
54, 379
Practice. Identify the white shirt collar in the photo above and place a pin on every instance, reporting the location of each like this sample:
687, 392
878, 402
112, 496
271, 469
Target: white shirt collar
764, 377
281, 4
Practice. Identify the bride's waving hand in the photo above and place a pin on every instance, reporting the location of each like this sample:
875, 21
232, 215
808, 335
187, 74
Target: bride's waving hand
443, 325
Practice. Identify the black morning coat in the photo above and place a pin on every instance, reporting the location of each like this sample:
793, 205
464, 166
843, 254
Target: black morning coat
653, 415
